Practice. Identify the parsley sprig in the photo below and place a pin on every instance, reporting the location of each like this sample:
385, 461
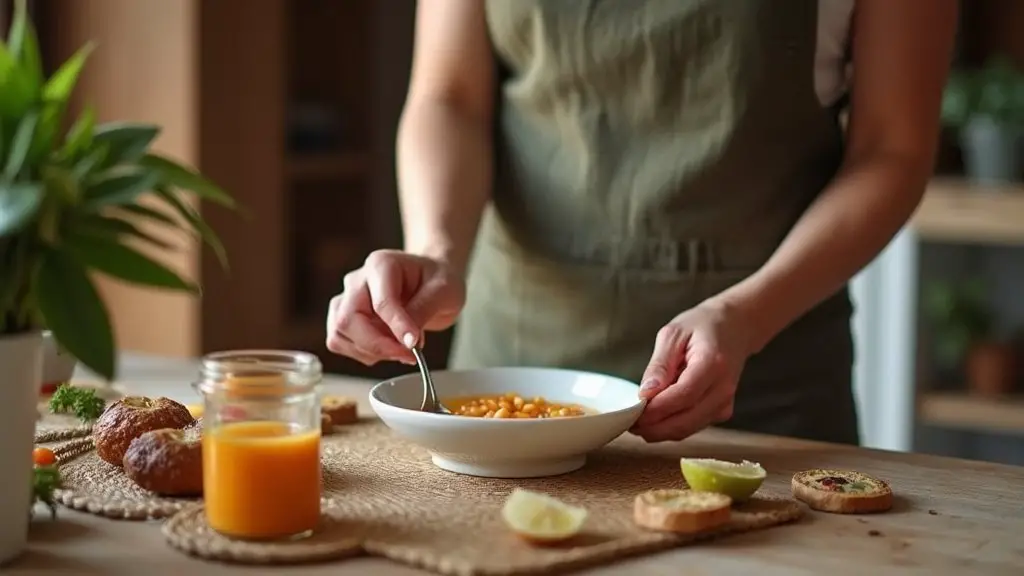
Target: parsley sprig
81, 402
45, 480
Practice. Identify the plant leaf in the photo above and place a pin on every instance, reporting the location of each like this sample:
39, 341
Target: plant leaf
72, 308
24, 45
126, 141
20, 145
46, 132
15, 87
85, 165
18, 204
110, 256
151, 214
119, 187
198, 224
177, 176
59, 87
80, 135
113, 227
16, 35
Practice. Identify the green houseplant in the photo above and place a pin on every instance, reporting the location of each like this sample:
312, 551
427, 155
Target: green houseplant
76, 198
964, 336
986, 107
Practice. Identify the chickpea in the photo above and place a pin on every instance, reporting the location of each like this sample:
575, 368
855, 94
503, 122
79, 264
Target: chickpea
515, 406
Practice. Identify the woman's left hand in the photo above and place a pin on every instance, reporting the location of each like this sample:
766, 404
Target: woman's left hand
691, 380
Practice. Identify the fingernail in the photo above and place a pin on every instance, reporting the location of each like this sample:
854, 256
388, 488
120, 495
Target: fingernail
649, 384
409, 339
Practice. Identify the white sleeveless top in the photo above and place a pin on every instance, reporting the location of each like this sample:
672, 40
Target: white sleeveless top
831, 74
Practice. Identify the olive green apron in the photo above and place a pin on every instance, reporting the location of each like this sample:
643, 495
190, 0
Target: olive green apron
650, 154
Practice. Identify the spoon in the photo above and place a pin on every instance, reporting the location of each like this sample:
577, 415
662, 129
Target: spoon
430, 401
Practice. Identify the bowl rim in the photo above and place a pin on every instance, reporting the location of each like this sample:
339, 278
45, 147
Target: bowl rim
374, 400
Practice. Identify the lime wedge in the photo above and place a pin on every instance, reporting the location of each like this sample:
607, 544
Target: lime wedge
541, 518
738, 481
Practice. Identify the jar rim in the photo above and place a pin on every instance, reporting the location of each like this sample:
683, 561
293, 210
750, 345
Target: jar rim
302, 370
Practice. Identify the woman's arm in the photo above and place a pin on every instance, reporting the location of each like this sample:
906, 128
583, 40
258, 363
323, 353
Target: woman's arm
901, 56
444, 144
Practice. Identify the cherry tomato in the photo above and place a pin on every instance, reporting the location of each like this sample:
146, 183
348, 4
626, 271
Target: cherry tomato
43, 457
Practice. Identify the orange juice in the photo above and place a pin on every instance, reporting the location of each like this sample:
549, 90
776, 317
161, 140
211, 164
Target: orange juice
261, 480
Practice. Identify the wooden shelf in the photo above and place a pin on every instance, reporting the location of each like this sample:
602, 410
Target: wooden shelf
960, 410
328, 166
960, 211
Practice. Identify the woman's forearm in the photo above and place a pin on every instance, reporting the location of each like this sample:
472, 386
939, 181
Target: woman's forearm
847, 227
444, 158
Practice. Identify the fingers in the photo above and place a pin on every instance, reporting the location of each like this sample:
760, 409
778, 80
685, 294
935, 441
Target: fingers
354, 331
666, 361
715, 406
385, 282
703, 368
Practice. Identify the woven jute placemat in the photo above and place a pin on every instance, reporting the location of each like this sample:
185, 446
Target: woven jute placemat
384, 497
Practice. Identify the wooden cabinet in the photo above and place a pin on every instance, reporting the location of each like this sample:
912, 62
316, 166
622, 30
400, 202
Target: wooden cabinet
292, 106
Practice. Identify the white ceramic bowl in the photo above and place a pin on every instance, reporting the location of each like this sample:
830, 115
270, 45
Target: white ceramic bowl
510, 448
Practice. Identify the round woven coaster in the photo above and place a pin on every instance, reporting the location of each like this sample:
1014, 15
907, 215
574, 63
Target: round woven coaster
189, 532
89, 484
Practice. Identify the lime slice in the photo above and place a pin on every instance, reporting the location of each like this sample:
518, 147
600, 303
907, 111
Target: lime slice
737, 481
541, 518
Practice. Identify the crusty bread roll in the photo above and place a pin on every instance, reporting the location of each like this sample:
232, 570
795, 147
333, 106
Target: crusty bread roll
168, 462
681, 511
841, 491
131, 417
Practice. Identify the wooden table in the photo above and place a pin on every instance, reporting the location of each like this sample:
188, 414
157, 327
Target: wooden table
952, 516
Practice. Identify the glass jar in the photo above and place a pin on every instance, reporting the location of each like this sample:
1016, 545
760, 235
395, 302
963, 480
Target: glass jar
261, 443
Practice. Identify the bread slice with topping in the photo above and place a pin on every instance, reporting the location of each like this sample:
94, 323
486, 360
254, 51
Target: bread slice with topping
341, 410
681, 511
841, 491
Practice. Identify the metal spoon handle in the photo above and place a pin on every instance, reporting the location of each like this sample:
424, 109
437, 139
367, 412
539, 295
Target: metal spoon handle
429, 394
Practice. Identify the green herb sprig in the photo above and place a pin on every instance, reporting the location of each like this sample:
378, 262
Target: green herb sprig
82, 402
45, 480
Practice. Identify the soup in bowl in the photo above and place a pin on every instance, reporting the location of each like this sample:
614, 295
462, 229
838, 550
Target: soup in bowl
510, 422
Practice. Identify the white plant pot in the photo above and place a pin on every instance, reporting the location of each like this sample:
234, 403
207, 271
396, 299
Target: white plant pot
58, 365
21, 362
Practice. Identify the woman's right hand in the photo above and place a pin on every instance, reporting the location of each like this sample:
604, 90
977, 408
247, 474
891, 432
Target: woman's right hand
387, 304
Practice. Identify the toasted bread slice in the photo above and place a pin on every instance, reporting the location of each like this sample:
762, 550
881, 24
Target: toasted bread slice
841, 491
340, 409
326, 425
681, 511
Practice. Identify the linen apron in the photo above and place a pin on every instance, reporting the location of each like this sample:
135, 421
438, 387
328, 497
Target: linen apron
650, 154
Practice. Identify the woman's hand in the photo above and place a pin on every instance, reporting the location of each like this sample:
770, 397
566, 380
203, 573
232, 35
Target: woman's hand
692, 377
389, 302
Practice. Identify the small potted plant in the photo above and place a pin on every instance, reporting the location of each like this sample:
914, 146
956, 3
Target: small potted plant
964, 337
73, 203
986, 107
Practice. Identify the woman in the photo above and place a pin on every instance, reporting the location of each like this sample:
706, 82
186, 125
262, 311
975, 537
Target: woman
657, 189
